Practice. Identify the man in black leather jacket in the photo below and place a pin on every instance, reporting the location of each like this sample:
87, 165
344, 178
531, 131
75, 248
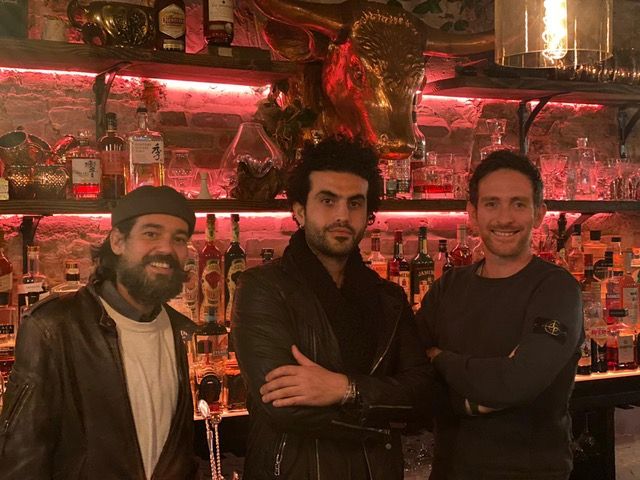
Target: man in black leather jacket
100, 387
328, 349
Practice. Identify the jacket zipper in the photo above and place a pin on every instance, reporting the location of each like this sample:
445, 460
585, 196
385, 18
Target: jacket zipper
386, 349
279, 455
15, 410
317, 459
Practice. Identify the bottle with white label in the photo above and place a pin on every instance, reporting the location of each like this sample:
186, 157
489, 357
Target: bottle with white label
146, 154
218, 22
171, 27
83, 162
33, 286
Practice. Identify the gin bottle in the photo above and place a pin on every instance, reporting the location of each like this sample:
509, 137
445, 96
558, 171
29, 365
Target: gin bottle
146, 154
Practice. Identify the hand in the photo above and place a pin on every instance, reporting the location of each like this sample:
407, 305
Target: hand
306, 384
433, 352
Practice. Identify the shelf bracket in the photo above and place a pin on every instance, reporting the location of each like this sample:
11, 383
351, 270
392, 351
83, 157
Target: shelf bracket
28, 226
101, 88
525, 119
625, 127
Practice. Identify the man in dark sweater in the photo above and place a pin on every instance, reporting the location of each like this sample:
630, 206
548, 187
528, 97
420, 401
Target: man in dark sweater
504, 334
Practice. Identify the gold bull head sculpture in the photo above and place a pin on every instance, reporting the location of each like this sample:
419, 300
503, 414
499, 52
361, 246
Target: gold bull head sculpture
372, 62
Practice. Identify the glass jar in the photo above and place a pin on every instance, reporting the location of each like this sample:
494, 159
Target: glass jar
20, 178
251, 167
50, 182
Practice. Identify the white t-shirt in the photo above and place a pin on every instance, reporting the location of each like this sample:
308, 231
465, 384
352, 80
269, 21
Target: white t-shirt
149, 357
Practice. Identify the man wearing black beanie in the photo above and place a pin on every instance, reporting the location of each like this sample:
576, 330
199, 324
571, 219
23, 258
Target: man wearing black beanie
100, 386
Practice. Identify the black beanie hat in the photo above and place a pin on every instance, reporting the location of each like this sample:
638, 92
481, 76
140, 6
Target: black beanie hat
146, 200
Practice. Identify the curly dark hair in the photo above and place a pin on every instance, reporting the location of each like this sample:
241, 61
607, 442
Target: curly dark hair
104, 260
505, 159
337, 154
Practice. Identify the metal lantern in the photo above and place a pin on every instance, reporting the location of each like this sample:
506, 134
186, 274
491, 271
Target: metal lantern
552, 33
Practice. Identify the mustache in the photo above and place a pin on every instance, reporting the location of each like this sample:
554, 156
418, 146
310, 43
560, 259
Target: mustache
344, 226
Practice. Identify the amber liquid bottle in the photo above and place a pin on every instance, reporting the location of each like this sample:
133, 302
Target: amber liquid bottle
171, 25
218, 22
113, 157
211, 272
399, 270
461, 253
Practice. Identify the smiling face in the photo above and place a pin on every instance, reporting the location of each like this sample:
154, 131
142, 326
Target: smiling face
151, 258
506, 215
335, 216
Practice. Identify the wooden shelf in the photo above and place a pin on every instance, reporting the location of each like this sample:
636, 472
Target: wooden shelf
233, 65
99, 207
532, 88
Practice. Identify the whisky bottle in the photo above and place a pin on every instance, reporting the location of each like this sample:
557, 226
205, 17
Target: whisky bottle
235, 262
461, 253
171, 25
83, 162
146, 155
72, 278
399, 270
218, 22
113, 158
211, 271
422, 269
377, 261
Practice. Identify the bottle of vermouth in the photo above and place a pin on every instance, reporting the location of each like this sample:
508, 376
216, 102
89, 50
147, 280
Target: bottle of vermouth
235, 262
210, 265
422, 269
171, 25
146, 154
218, 22
399, 270
72, 278
377, 262
33, 286
211, 351
113, 160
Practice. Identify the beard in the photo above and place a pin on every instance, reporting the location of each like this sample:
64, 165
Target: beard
318, 240
147, 289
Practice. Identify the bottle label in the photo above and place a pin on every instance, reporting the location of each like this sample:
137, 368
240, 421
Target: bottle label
599, 334
404, 280
380, 268
423, 288
7, 329
190, 286
220, 10
214, 345
629, 301
237, 267
625, 349
147, 151
211, 276
6, 282
85, 170
24, 288
112, 162
171, 21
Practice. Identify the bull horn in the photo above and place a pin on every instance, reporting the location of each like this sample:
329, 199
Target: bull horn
324, 18
444, 44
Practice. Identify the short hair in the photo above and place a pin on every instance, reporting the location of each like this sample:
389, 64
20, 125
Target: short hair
506, 160
104, 260
337, 154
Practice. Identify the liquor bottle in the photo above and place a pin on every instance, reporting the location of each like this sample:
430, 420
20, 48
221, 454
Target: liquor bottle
561, 255
587, 278
211, 271
603, 268
497, 128
218, 22
72, 278
399, 270
422, 269
33, 285
390, 178
211, 347
191, 286
171, 25
146, 154
235, 262
594, 246
582, 172
448, 264
599, 331
113, 159
575, 257
618, 255
83, 162
629, 291
441, 258
6, 274
546, 247
377, 261
266, 254
403, 177
419, 152
461, 253
621, 347
590, 316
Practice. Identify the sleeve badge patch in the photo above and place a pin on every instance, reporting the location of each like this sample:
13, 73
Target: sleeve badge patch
553, 328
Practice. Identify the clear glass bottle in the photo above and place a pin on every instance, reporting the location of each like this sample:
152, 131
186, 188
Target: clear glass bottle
422, 269
461, 254
497, 128
235, 262
575, 256
211, 272
146, 154
437, 175
377, 261
113, 158
72, 278
33, 285
582, 175
399, 270
403, 176
84, 164
599, 331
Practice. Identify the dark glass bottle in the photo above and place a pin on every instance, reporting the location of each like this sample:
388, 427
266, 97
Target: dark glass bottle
422, 269
218, 22
113, 157
399, 270
210, 266
170, 25
235, 262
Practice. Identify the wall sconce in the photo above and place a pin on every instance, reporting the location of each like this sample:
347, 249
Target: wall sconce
552, 33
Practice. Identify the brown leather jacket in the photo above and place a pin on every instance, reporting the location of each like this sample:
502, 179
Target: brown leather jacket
66, 412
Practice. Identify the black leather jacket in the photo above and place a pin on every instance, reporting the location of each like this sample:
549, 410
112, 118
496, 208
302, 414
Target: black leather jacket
273, 309
67, 414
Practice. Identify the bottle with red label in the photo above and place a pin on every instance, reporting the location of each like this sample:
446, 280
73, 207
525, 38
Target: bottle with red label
171, 25
399, 270
211, 273
84, 164
377, 261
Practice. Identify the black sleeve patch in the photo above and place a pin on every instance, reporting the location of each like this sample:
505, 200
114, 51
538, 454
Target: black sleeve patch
553, 328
